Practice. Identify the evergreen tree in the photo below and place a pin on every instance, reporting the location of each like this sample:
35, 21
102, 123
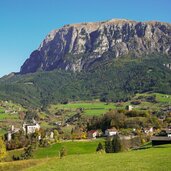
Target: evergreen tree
116, 144
56, 135
27, 152
62, 152
108, 146
100, 147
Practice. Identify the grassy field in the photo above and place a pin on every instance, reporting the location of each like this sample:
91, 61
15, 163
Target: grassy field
152, 159
90, 108
8, 116
162, 98
72, 147
96, 108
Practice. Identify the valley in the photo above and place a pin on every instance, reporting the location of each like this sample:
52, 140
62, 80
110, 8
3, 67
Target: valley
92, 96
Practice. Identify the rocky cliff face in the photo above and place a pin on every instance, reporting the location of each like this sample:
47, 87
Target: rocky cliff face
76, 47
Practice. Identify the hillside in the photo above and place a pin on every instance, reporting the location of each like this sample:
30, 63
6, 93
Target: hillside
149, 159
113, 80
110, 61
10, 114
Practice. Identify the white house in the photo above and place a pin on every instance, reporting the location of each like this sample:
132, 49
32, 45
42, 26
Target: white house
111, 132
31, 128
130, 107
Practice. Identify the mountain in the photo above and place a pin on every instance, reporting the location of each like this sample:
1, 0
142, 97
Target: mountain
110, 61
77, 47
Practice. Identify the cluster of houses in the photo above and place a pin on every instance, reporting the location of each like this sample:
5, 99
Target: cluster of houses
92, 134
27, 128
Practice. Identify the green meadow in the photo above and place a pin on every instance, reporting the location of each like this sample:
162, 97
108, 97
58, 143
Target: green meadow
151, 159
72, 147
96, 108
89, 107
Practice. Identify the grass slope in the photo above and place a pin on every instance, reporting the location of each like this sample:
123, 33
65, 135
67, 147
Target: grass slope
157, 159
152, 159
75, 147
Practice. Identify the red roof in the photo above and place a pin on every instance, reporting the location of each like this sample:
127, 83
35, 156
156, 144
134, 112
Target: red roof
92, 131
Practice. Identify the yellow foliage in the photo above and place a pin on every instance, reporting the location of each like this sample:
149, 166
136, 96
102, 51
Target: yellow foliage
3, 151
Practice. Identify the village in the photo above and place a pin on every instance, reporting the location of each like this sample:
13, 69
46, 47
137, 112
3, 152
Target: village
132, 123
31, 130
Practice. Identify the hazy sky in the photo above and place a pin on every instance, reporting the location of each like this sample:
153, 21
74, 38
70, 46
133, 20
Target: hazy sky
25, 23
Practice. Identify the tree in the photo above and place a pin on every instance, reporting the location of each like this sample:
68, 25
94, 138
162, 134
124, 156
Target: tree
100, 147
27, 152
30, 114
62, 152
56, 135
35, 139
116, 144
108, 146
3, 151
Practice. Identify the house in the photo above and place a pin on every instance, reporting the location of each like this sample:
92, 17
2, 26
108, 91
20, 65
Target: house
111, 132
31, 128
92, 134
148, 130
129, 107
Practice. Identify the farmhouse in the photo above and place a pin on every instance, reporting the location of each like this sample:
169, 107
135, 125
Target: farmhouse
129, 107
111, 132
31, 128
92, 134
148, 130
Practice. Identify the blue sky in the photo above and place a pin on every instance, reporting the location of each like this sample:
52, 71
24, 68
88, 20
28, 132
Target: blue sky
25, 23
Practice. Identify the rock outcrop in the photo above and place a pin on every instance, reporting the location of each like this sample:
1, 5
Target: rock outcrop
77, 46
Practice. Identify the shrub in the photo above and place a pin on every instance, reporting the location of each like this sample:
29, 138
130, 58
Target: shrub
62, 152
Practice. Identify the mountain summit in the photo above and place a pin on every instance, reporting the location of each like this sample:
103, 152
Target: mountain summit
76, 47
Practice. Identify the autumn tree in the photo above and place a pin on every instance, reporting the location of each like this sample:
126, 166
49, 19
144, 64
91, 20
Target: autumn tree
3, 151
56, 135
